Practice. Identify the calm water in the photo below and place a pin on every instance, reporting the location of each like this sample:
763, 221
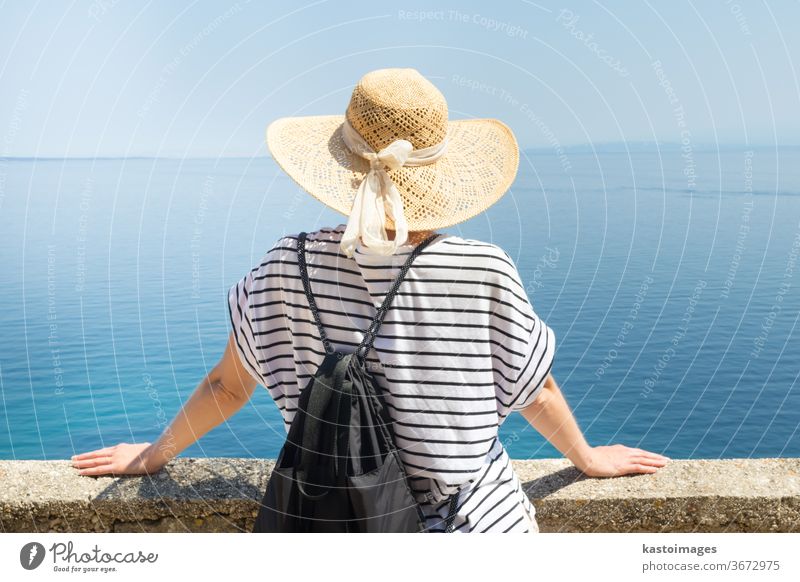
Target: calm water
673, 286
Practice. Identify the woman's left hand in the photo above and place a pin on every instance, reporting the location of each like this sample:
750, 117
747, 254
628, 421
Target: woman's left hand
121, 459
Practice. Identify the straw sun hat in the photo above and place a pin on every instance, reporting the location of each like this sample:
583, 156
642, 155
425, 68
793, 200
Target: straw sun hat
395, 161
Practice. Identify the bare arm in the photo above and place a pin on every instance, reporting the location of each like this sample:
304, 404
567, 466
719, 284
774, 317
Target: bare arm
550, 414
221, 394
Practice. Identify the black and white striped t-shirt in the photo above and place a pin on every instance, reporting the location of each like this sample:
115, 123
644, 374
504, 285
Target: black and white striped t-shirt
459, 350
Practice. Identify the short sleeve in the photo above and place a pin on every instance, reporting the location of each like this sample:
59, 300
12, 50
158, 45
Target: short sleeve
253, 301
525, 356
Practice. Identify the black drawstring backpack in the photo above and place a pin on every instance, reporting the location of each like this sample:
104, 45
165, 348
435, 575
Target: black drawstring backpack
339, 469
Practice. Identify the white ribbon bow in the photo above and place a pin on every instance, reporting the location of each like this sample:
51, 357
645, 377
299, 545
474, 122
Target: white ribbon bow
377, 195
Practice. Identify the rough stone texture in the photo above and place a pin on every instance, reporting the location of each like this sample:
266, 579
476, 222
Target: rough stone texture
222, 495
216, 494
730, 495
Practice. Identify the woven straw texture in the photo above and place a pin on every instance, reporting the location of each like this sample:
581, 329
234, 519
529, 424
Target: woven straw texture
478, 167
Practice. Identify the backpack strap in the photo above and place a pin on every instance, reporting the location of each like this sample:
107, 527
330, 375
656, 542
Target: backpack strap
301, 261
369, 336
451, 514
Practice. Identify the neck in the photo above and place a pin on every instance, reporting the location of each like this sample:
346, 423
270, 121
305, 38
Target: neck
414, 236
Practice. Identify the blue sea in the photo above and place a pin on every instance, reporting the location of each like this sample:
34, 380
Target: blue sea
670, 278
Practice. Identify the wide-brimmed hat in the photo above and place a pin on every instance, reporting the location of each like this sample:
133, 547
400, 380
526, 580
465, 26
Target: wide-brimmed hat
395, 160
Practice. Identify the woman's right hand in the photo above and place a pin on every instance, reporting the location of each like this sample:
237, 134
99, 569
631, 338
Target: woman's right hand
617, 460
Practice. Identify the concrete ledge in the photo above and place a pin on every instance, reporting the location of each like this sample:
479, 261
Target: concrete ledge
222, 495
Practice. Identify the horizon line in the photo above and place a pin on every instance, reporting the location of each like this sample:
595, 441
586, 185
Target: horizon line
634, 145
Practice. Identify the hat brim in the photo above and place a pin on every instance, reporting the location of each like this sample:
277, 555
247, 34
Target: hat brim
478, 167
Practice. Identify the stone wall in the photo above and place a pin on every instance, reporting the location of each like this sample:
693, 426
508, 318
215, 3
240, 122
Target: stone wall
222, 495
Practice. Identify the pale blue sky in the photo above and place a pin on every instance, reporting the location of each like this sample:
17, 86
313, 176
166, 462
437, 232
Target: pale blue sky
118, 77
